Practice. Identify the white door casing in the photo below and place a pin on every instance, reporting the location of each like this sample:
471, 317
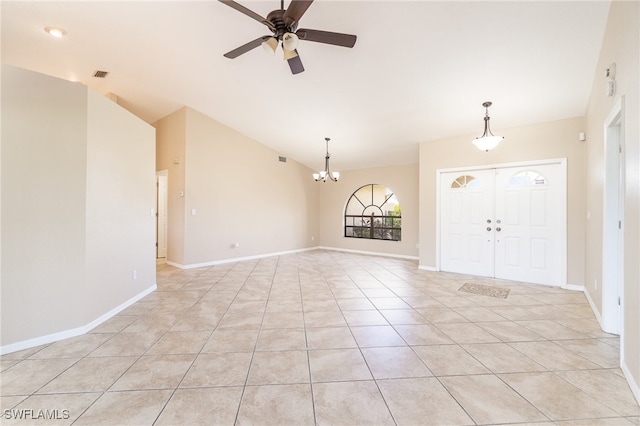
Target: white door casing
613, 221
521, 217
161, 215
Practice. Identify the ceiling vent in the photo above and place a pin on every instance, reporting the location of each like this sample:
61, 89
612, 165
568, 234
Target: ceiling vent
282, 159
100, 74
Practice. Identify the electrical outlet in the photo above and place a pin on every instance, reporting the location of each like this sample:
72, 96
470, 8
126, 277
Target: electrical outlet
134, 275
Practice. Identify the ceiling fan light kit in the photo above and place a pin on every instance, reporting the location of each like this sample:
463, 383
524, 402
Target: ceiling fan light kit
283, 24
488, 140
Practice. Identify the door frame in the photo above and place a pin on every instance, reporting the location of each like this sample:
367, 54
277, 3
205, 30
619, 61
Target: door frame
161, 209
562, 274
613, 221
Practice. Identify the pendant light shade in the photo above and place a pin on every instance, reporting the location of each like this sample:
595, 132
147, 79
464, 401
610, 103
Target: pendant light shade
270, 45
289, 54
289, 41
488, 140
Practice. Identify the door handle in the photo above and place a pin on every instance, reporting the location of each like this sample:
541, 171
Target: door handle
488, 228
498, 229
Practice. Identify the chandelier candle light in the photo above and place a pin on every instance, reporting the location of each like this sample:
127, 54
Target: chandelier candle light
487, 141
326, 173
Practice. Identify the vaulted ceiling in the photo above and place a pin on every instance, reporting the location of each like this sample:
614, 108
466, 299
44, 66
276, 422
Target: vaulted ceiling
419, 71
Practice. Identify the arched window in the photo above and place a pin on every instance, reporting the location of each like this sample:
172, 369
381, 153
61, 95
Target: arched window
527, 178
373, 211
465, 182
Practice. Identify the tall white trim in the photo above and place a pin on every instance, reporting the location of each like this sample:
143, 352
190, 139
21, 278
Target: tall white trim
612, 221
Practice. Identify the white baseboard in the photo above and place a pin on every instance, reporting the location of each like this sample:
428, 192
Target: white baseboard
633, 385
575, 287
593, 306
370, 253
427, 268
65, 334
237, 259
280, 253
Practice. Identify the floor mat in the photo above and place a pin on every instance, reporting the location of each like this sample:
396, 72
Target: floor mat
485, 290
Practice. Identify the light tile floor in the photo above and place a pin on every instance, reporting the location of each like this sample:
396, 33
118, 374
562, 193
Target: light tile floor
328, 338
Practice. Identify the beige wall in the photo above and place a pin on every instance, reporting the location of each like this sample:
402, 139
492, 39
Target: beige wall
239, 191
120, 223
44, 132
557, 139
402, 180
620, 46
77, 186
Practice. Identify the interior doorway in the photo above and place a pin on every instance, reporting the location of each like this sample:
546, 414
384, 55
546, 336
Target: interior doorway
161, 213
613, 205
504, 221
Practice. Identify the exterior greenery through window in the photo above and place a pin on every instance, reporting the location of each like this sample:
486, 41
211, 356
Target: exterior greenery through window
373, 211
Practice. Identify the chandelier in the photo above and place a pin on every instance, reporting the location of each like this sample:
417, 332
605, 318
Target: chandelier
326, 173
487, 141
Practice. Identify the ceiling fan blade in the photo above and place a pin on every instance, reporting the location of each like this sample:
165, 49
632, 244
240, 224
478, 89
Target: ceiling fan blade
337, 39
250, 13
245, 47
296, 9
295, 64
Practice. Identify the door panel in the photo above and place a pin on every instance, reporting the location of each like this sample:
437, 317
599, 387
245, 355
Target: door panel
467, 204
528, 244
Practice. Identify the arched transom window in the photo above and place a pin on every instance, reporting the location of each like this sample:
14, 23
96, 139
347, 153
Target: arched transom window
527, 178
373, 211
465, 181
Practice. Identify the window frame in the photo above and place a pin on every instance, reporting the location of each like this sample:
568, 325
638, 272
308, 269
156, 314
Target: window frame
382, 226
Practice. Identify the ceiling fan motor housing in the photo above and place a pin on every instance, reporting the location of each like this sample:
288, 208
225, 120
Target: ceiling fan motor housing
278, 25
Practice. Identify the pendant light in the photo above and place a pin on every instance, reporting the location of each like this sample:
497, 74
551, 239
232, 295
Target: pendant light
326, 173
487, 141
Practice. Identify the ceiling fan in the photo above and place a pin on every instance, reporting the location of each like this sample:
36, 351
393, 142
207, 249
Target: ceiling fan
283, 23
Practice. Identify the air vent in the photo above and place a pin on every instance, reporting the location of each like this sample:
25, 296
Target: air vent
282, 159
100, 74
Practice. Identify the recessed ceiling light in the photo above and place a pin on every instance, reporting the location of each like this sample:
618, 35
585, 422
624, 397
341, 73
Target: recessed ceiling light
55, 31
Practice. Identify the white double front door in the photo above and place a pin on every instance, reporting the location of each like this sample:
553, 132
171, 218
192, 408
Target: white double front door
505, 222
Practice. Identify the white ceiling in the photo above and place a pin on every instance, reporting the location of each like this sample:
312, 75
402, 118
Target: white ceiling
419, 71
